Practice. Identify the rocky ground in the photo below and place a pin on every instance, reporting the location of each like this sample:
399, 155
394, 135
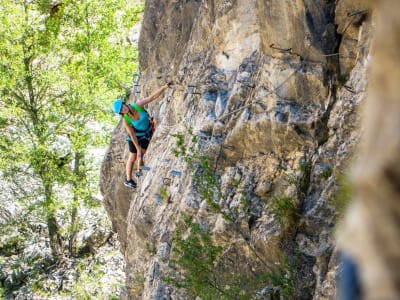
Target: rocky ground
30, 273
27, 270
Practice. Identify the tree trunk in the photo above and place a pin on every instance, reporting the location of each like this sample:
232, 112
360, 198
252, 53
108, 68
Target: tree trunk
56, 244
74, 231
75, 205
55, 239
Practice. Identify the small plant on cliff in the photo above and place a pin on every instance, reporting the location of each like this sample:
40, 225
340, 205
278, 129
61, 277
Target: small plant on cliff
164, 194
137, 285
206, 270
342, 197
326, 173
204, 175
283, 279
284, 209
304, 180
196, 256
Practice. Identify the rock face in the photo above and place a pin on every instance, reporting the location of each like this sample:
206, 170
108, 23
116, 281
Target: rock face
269, 92
371, 233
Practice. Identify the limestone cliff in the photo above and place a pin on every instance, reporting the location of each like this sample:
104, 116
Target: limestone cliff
270, 92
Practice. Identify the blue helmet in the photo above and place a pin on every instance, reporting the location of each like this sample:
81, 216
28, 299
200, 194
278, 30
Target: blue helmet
117, 105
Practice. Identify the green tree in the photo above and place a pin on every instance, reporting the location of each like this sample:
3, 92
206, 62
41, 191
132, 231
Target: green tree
196, 255
60, 63
209, 271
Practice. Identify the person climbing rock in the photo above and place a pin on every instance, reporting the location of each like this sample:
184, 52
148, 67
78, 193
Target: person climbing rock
137, 123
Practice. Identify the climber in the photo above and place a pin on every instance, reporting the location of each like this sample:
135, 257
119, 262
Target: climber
137, 123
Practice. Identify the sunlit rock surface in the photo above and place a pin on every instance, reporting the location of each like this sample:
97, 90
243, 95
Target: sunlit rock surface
272, 92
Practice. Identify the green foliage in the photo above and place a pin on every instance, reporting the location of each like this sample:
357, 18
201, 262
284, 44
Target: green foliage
205, 177
304, 180
305, 167
36, 272
284, 209
138, 284
89, 283
283, 279
196, 255
235, 183
61, 63
180, 144
89, 276
11, 243
151, 248
17, 272
199, 267
245, 202
164, 194
341, 199
326, 173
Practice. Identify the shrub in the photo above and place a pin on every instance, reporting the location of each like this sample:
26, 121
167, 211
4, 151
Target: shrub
284, 209
196, 256
342, 197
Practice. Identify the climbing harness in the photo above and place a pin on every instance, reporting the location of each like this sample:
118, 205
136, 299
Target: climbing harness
146, 133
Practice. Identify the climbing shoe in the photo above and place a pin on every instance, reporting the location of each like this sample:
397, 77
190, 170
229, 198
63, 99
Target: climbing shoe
130, 183
138, 174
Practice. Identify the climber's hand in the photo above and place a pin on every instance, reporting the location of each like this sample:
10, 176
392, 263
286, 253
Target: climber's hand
170, 82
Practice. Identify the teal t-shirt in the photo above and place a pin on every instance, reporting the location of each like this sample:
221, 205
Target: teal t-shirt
142, 125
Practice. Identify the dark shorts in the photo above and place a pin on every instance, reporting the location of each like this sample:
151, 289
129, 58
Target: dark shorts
143, 143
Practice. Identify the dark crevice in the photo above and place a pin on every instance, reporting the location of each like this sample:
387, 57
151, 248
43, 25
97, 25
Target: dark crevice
252, 221
333, 78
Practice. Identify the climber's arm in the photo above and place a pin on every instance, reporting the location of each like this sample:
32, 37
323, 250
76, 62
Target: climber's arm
142, 102
131, 133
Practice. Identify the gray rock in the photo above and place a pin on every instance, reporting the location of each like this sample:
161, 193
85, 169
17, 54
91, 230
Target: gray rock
270, 117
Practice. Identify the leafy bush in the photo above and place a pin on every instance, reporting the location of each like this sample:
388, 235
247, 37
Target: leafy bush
342, 197
304, 180
196, 256
326, 173
200, 268
284, 209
